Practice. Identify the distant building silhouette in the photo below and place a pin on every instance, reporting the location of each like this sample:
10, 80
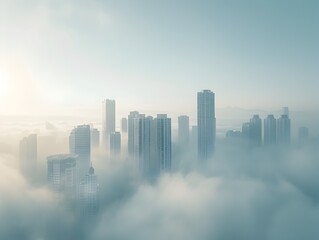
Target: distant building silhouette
285, 111
124, 125
88, 194
183, 130
164, 141
252, 131
283, 130
206, 123
152, 144
108, 123
256, 130
80, 144
270, 130
95, 138
62, 173
115, 144
28, 152
246, 131
144, 145
130, 144
233, 134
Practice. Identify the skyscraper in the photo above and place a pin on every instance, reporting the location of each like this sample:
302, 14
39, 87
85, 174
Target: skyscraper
255, 131
283, 130
183, 131
115, 143
133, 115
108, 124
144, 145
28, 156
62, 173
95, 138
245, 131
252, 131
80, 144
285, 111
152, 144
124, 125
206, 123
88, 194
270, 130
163, 133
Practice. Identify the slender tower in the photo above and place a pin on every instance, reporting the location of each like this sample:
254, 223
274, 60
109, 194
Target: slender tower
283, 130
80, 144
270, 130
206, 123
130, 130
163, 144
108, 126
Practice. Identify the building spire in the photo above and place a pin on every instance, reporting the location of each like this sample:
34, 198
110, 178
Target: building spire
91, 170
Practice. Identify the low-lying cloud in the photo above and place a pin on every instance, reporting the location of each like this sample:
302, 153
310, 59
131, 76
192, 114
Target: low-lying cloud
241, 194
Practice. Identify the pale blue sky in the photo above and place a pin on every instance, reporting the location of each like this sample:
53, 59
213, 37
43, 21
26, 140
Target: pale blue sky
155, 55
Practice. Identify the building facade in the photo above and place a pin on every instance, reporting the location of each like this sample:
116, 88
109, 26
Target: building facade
270, 130
62, 173
88, 194
115, 144
108, 122
206, 123
130, 128
284, 130
163, 131
80, 144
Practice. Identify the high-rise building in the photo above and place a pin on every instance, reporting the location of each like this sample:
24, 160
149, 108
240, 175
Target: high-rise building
143, 143
256, 131
108, 124
183, 131
285, 111
28, 156
270, 130
252, 131
283, 130
133, 115
80, 144
245, 131
163, 131
115, 143
124, 125
95, 138
88, 194
152, 144
62, 173
206, 123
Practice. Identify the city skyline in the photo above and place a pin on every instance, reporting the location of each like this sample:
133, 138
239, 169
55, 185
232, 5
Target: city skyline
159, 119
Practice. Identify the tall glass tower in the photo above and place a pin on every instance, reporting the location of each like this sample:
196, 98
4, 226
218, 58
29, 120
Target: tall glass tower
80, 144
270, 130
108, 122
206, 123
